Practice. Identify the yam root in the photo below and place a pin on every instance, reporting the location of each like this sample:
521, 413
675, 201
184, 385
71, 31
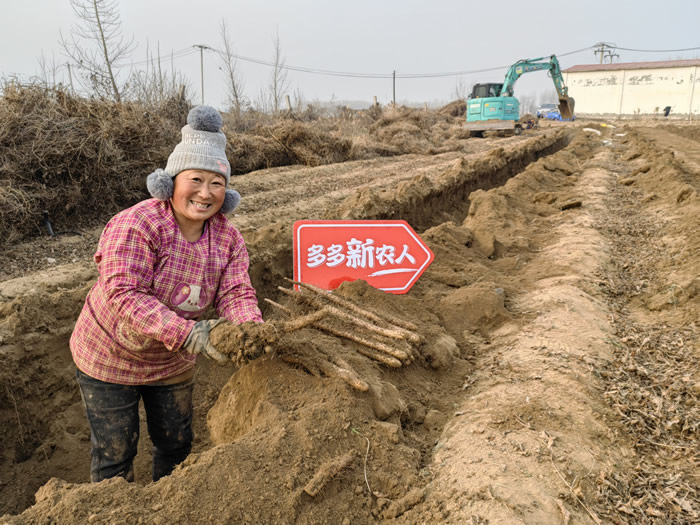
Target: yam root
327, 472
382, 338
378, 330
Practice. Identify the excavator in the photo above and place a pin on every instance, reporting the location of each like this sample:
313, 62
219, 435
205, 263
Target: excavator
493, 107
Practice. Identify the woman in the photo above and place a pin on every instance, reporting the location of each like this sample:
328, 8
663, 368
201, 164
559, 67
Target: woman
161, 264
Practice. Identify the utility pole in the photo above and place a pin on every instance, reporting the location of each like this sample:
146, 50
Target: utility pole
605, 53
201, 65
601, 51
394, 83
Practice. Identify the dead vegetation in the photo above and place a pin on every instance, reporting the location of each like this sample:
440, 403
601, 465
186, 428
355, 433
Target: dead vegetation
78, 159
82, 160
652, 384
284, 143
419, 131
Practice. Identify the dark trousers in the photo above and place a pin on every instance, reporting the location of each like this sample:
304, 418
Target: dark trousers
113, 415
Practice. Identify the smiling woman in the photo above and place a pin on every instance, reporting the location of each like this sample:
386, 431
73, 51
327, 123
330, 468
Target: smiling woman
161, 264
197, 196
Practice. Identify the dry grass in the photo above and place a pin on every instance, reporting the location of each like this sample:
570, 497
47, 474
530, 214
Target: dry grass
78, 159
83, 160
651, 385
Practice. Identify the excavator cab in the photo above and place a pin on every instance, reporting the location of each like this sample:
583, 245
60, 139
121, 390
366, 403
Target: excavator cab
486, 90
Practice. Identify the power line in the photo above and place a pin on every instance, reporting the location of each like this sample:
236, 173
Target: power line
349, 74
656, 50
175, 54
189, 51
380, 75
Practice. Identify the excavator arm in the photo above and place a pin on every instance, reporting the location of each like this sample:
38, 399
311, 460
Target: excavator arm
551, 64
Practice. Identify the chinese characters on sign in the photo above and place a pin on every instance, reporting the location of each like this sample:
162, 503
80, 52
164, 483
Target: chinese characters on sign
389, 255
357, 254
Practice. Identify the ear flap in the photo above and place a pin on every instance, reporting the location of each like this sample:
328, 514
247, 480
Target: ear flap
232, 199
160, 185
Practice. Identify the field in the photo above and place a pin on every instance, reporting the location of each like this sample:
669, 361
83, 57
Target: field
555, 380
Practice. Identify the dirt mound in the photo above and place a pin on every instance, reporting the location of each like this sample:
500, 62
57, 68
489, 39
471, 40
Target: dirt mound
691, 132
284, 143
302, 435
456, 108
79, 159
421, 199
667, 183
418, 131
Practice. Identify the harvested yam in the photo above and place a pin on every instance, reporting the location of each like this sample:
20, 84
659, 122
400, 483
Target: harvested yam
327, 472
381, 338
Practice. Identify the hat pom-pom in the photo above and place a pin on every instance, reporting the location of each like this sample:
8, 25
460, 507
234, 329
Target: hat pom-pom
160, 185
204, 118
231, 201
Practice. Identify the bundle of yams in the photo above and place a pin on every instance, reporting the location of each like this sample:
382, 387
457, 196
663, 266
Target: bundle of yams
380, 337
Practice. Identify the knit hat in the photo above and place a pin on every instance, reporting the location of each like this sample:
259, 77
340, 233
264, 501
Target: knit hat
203, 147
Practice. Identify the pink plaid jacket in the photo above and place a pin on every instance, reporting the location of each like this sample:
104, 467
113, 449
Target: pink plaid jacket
153, 284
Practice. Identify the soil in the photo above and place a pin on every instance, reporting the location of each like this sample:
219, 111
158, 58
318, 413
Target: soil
553, 377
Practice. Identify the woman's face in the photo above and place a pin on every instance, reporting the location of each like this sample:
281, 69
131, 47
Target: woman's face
197, 195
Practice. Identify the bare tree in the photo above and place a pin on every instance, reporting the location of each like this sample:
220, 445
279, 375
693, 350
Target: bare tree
528, 104
548, 96
262, 101
96, 45
154, 84
298, 100
47, 71
462, 89
229, 65
279, 85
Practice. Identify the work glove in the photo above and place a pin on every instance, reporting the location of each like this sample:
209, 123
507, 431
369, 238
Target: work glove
198, 341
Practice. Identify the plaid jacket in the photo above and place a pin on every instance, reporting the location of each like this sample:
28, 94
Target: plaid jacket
153, 284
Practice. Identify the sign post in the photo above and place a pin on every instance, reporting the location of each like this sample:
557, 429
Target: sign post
389, 255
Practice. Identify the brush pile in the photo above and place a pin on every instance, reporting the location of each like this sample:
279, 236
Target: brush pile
284, 143
79, 159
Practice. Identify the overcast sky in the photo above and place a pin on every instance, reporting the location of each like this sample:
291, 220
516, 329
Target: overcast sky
364, 36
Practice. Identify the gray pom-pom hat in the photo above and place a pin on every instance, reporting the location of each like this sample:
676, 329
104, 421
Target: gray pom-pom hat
203, 147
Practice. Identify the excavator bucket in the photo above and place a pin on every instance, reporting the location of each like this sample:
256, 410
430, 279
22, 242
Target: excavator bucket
566, 107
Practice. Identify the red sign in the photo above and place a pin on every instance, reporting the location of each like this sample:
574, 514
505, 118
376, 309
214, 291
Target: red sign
389, 255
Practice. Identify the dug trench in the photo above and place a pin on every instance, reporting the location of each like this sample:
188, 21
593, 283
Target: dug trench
45, 432
522, 404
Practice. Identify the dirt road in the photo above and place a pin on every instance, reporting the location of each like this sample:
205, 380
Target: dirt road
557, 380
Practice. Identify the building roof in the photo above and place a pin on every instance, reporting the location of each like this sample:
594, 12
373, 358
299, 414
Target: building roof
633, 65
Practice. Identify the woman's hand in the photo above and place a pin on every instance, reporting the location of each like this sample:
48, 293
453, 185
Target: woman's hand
199, 342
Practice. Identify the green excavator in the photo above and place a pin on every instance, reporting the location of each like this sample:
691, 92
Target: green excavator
493, 107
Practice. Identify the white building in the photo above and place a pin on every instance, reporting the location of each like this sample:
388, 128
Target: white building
636, 88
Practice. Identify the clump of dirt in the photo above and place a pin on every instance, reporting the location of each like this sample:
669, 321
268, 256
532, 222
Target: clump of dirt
478, 305
245, 341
